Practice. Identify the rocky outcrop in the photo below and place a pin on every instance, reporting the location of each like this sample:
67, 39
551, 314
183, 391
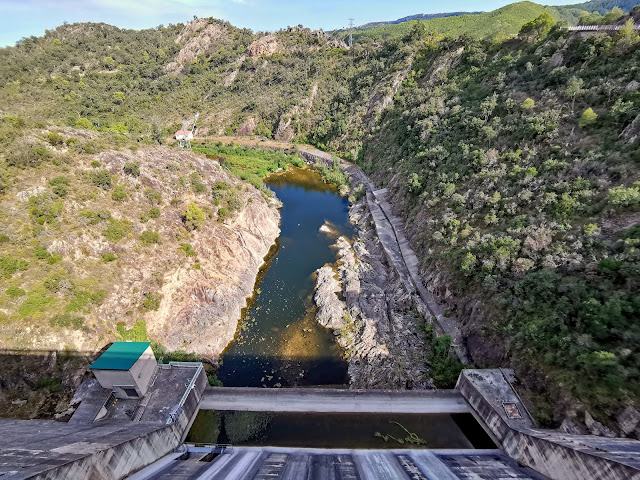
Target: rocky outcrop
632, 132
186, 286
198, 37
265, 46
331, 309
375, 322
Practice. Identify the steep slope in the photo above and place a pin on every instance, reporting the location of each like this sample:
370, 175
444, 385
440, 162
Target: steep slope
121, 243
517, 173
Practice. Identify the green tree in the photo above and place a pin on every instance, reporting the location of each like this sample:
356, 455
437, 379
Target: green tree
528, 104
194, 217
109, 63
538, 27
573, 89
587, 118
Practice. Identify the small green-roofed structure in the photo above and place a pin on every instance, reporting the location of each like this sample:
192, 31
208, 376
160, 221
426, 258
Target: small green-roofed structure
120, 356
126, 368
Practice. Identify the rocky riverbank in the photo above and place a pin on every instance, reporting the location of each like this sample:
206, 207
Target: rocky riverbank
365, 303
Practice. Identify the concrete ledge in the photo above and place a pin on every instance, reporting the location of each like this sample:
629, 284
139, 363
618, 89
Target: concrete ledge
333, 400
557, 455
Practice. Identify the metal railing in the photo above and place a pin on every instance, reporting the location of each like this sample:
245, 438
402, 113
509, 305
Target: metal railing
173, 416
595, 28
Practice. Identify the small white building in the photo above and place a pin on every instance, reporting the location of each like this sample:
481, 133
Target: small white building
126, 368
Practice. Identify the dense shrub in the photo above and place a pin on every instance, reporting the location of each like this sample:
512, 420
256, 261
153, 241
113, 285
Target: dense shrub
194, 217
101, 178
149, 237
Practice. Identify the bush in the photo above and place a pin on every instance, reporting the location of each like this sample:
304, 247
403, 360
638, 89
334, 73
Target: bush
82, 298
36, 302
96, 217
60, 185
15, 292
444, 366
624, 196
10, 265
132, 168
149, 237
188, 250
41, 253
154, 197
117, 230
84, 123
196, 184
119, 194
151, 301
528, 104
587, 118
44, 209
194, 217
29, 156
108, 257
101, 178
55, 139
137, 333
154, 212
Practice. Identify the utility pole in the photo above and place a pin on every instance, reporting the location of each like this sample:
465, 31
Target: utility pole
351, 20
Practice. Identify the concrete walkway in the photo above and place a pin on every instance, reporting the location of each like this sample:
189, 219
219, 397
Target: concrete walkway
390, 231
333, 400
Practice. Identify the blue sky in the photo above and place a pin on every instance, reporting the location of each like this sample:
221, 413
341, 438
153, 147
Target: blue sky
23, 18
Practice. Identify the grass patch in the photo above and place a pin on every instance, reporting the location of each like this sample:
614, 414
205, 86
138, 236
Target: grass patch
36, 303
117, 230
137, 333
249, 164
67, 320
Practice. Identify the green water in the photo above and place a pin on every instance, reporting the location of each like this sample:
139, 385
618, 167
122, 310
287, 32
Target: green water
279, 342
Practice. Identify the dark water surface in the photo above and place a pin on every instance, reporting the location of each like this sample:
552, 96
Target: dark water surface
278, 342
339, 430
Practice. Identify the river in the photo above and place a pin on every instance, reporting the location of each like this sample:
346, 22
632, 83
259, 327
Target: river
278, 342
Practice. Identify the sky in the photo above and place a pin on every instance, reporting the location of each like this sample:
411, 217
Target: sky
23, 18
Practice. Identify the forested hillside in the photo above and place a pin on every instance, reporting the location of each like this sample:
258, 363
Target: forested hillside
514, 162
516, 169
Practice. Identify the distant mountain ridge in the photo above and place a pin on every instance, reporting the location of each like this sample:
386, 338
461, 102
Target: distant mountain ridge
419, 16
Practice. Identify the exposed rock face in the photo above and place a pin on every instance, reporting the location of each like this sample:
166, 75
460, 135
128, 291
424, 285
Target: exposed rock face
196, 300
629, 422
596, 428
198, 37
632, 132
265, 46
330, 308
200, 308
376, 322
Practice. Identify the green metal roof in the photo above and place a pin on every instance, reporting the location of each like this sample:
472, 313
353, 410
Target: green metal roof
120, 356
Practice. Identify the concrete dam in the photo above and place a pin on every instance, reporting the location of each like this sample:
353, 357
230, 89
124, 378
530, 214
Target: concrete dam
117, 433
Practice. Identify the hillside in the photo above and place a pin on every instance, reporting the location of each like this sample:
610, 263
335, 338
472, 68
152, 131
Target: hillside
516, 170
503, 22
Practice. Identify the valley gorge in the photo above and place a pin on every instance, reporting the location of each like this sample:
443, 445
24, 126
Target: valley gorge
510, 160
